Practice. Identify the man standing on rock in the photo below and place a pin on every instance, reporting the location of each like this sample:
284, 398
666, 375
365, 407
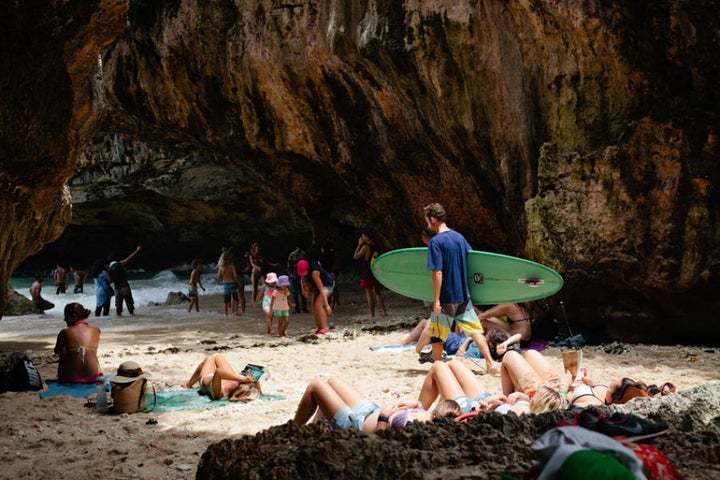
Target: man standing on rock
122, 287
447, 258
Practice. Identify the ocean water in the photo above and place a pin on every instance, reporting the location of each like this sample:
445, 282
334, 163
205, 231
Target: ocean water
147, 288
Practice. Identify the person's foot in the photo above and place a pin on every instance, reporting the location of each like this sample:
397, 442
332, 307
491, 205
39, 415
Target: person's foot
322, 332
426, 357
493, 369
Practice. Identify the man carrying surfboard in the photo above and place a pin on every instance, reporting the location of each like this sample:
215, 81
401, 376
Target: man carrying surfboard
447, 258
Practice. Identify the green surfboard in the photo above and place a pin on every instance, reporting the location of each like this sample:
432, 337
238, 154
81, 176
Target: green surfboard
492, 278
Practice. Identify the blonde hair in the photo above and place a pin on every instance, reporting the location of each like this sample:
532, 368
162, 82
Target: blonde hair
245, 392
545, 399
447, 409
226, 258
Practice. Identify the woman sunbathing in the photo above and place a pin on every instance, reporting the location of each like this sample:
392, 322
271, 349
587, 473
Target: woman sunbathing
340, 403
77, 347
218, 380
455, 381
530, 382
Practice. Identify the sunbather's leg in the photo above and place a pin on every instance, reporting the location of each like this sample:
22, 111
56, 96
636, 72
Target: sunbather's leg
318, 394
441, 381
349, 395
517, 374
414, 336
542, 366
469, 382
207, 366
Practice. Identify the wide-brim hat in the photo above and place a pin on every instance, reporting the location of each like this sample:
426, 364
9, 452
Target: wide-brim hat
283, 281
128, 372
302, 268
271, 277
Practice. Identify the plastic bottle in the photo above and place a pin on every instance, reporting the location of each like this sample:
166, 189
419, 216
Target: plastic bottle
101, 402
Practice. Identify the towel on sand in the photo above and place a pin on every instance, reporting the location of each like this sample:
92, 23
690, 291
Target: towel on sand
77, 390
176, 400
393, 348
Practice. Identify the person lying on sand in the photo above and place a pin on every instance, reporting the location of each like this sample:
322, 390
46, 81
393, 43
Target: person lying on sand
218, 380
455, 381
527, 376
586, 393
340, 403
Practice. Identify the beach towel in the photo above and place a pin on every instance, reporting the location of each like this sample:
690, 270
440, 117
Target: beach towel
393, 348
77, 390
538, 345
177, 400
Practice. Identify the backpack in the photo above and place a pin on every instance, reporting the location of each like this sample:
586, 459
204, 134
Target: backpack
19, 374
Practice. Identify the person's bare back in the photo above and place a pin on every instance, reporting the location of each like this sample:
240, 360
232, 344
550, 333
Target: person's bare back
77, 347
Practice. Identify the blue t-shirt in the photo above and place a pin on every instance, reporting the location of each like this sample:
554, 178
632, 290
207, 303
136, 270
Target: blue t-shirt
447, 252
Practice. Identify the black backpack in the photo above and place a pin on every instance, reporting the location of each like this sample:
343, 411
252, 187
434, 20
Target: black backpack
19, 374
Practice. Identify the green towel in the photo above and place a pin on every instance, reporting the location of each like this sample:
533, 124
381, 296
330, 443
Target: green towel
177, 400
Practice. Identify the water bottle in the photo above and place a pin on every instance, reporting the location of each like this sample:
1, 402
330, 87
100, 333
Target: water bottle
101, 402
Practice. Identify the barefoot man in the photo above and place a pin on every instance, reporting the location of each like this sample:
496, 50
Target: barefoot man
447, 258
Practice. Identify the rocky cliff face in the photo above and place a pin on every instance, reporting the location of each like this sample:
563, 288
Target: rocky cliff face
579, 134
48, 53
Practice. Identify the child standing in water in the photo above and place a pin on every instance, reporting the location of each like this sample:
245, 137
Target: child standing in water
282, 301
266, 293
192, 287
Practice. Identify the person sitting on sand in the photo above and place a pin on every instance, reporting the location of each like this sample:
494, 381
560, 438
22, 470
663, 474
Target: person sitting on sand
527, 376
218, 380
461, 345
77, 347
518, 321
340, 403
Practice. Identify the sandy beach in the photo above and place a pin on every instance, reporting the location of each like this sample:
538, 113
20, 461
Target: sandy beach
64, 437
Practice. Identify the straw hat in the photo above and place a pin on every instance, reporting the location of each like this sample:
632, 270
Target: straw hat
128, 372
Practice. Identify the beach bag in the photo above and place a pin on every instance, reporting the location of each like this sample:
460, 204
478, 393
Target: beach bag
129, 389
19, 374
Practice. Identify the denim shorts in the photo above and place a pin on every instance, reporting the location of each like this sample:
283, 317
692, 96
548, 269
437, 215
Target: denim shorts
354, 417
468, 404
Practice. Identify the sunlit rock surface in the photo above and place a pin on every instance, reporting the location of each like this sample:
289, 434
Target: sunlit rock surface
579, 134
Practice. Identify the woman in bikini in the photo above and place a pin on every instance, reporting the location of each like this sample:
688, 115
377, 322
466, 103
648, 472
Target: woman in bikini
344, 407
518, 320
77, 347
455, 381
530, 382
586, 393
218, 380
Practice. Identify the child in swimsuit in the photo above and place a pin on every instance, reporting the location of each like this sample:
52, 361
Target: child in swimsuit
281, 304
266, 293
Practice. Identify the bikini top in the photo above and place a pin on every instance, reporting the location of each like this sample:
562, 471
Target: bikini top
402, 418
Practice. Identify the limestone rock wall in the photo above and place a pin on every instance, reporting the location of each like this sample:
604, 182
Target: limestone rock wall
577, 133
48, 53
